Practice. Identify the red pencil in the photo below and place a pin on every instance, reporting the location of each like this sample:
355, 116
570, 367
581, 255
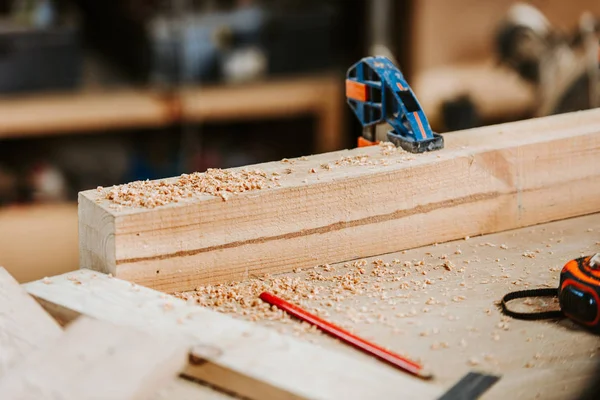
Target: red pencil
394, 359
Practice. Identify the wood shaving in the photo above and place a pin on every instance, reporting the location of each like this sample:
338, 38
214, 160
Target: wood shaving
361, 159
439, 345
388, 148
503, 325
215, 182
448, 265
74, 280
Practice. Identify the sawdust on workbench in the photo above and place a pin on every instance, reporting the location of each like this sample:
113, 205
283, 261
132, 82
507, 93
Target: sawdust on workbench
323, 288
438, 304
397, 287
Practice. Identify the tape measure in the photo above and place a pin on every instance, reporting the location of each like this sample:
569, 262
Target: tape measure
578, 294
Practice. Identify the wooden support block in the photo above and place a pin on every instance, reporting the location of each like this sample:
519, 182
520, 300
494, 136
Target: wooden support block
24, 325
327, 210
238, 356
25, 328
182, 389
96, 360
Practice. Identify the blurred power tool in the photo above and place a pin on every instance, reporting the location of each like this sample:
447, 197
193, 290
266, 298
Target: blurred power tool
377, 92
578, 294
564, 69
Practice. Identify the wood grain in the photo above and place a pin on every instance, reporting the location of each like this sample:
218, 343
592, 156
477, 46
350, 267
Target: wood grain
24, 325
237, 356
96, 360
502, 177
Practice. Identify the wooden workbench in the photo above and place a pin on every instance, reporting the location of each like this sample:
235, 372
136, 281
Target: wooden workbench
451, 324
545, 360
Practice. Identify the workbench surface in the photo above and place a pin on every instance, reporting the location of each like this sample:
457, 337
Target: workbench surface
437, 304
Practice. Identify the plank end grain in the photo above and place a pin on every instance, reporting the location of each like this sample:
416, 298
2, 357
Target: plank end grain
345, 205
96, 236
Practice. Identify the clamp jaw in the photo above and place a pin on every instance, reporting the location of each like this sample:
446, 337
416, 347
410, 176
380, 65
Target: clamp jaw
377, 92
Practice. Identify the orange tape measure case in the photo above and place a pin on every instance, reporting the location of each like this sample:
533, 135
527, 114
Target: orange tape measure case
578, 294
579, 290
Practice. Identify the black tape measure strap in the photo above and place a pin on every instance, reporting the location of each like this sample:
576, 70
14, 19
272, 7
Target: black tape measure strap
522, 294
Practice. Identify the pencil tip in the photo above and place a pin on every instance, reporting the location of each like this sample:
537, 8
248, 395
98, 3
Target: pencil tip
425, 374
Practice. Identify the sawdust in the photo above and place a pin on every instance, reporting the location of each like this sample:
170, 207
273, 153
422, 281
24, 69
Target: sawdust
321, 291
215, 182
224, 183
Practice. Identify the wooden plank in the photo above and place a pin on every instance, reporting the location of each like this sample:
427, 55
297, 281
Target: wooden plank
182, 389
503, 177
320, 96
24, 325
235, 355
94, 111
82, 112
26, 328
277, 98
99, 360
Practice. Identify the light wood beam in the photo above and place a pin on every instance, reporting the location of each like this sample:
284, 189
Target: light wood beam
96, 360
485, 180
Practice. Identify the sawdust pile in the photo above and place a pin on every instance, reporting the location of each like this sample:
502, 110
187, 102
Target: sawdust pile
321, 291
216, 182
225, 183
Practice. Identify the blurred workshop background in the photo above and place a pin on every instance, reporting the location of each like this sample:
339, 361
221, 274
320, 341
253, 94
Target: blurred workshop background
100, 92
